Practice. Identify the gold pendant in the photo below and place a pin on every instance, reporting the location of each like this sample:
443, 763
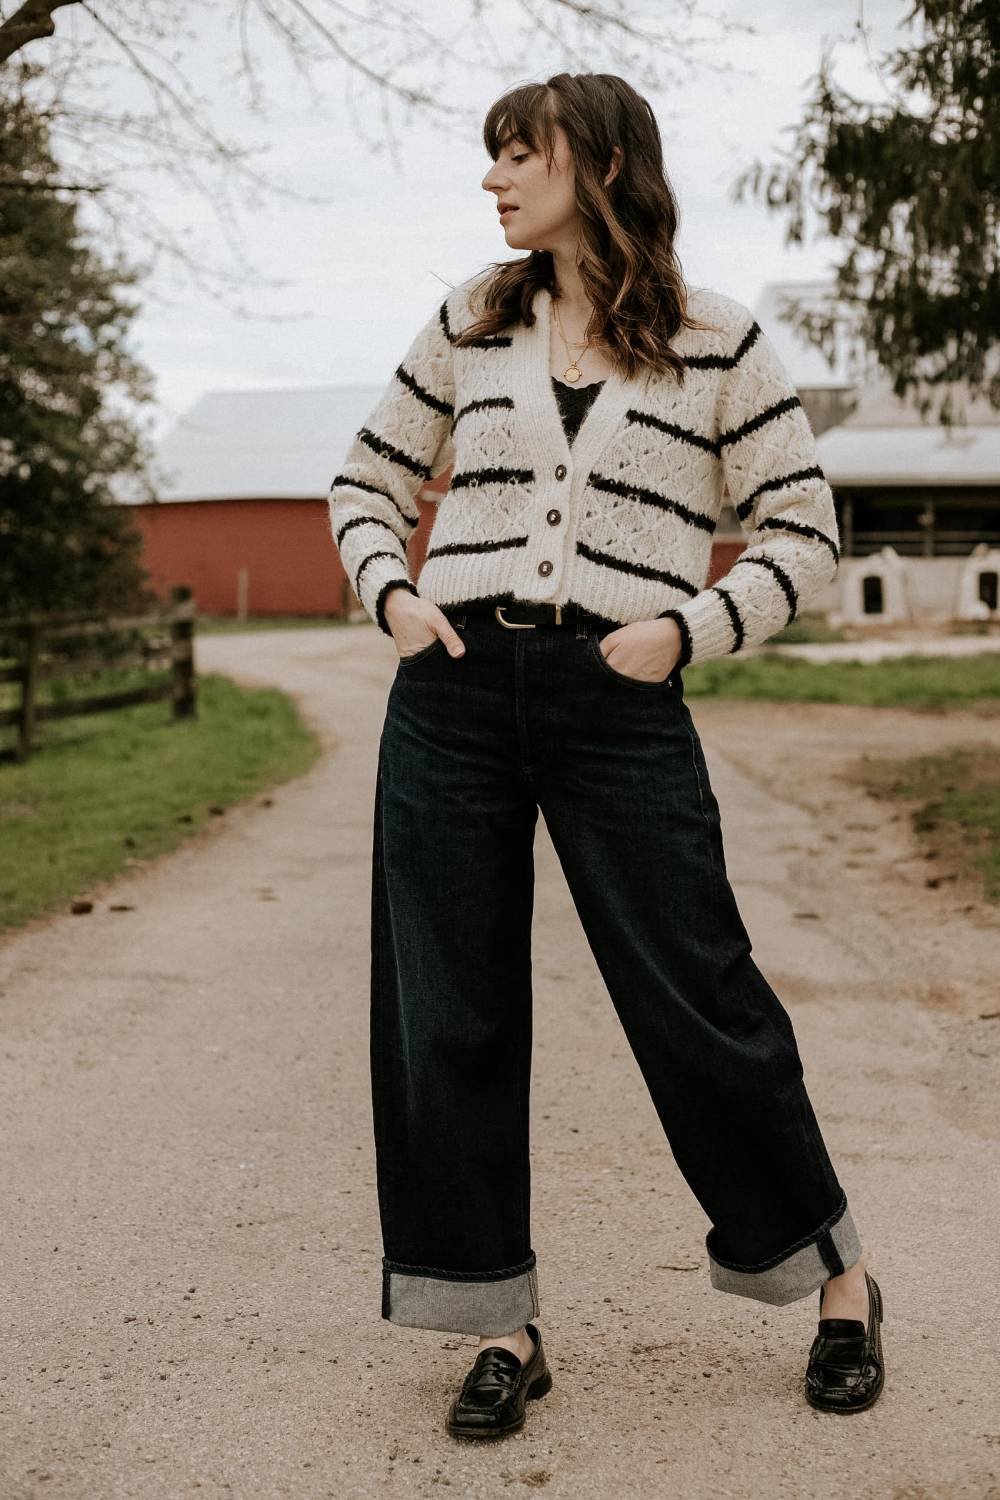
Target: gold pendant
573, 373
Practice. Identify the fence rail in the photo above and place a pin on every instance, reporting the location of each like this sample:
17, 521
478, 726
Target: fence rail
173, 648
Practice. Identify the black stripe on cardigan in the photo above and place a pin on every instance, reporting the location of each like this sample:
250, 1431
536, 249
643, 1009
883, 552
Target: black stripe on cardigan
370, 489
394, 455
635, 570
745, 506
448, 548
775, 523
769, 414
496, 341
725, 361
787, 586
405, 378
368, 521
473, 478
735, 618
485, 404
373, 557
651, 497
683, 434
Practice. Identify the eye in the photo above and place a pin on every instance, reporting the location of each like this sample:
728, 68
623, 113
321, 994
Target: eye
521, 157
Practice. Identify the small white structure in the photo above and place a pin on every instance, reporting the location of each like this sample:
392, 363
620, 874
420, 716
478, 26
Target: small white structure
873, 590
979, 585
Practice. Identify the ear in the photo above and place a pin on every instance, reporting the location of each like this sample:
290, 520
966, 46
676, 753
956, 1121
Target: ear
616, 161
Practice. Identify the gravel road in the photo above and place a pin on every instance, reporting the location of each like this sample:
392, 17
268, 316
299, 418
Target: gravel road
191, 1254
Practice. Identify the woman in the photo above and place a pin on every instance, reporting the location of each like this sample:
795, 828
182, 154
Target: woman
594, 409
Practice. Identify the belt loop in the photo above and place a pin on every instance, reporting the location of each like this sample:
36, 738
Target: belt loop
581, 624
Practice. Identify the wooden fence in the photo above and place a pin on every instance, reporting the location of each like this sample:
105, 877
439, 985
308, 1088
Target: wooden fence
39, 659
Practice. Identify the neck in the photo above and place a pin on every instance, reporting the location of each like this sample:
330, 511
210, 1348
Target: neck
573, 300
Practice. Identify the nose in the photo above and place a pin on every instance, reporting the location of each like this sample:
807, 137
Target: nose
491, 183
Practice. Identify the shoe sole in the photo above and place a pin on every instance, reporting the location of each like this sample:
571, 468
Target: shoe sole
539, 1387
847, 1411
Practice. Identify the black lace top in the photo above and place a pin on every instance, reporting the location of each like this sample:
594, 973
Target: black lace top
574, 403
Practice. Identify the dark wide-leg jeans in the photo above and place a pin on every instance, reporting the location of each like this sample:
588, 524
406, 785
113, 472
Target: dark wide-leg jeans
470, 749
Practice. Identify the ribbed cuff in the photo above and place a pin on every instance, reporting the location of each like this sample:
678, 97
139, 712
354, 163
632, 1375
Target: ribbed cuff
393, 583
707, 626
683, 627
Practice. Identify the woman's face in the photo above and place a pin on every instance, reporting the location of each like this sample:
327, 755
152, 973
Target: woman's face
544, 200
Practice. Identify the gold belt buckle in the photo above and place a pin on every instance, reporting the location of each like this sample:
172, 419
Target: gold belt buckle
522, 624
513, 624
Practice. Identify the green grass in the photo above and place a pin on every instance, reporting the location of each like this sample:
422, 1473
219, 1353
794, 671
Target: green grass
928, 683
808, 628
132, 783
957, 816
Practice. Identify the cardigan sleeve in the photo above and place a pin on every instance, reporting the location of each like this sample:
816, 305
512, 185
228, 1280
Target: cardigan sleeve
782, 501
405, 440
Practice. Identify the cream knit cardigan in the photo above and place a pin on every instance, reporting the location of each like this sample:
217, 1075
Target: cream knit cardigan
621, 521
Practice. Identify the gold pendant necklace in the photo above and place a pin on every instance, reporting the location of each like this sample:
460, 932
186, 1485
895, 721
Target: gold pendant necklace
573, 373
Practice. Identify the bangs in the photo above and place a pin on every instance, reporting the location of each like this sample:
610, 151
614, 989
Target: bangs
523, 114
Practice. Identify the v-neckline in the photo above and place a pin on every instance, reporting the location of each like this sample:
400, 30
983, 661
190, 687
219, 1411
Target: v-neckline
542, 417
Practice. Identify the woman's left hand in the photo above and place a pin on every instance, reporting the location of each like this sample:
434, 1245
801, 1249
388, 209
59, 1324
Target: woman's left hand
646, 649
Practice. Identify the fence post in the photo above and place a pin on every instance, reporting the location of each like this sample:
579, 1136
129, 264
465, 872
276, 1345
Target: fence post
182, 658
29, 683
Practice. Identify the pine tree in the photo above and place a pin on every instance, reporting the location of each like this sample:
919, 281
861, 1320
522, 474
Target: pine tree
64, 543
911, 188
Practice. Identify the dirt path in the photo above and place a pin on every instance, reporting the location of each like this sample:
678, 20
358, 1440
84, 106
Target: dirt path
191, 1248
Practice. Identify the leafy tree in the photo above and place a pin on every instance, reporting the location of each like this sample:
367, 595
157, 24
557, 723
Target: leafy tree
64, 363
911, 188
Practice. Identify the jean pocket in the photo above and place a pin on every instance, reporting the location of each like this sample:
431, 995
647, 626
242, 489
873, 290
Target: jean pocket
636, 682
425, 651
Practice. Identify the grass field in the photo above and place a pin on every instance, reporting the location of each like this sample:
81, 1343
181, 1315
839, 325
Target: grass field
957, 812
108, 788
930, 683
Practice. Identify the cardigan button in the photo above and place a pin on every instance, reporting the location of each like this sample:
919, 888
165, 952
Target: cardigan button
561, 471
553, 517
545, 568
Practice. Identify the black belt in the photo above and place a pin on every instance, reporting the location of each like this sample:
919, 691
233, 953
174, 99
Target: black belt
519, 614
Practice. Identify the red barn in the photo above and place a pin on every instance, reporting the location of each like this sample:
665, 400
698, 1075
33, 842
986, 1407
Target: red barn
241, 514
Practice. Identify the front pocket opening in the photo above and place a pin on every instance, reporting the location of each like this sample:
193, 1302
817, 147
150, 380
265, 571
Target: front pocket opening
602, 661
424, 651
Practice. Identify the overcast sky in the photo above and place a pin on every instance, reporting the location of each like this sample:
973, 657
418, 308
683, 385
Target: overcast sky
365, 269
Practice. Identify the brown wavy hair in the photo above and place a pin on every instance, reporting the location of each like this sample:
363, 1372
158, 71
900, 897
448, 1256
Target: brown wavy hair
628, 265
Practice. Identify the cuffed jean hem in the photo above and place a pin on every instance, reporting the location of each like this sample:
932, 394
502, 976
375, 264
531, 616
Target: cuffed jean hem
483, 1302
832, 1249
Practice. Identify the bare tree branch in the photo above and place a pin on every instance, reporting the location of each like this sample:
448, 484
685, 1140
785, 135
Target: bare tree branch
31, 21
377, 47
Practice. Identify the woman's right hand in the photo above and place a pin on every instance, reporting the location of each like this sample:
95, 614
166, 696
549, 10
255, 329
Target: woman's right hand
416, 623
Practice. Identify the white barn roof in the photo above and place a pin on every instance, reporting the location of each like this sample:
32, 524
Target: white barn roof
885, 442
268, 444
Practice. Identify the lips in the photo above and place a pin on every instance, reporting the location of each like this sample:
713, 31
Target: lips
504, 208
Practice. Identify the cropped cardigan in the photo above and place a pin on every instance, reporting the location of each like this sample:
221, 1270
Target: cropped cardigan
620, 520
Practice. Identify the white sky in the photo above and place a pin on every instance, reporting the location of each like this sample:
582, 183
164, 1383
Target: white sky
365, 269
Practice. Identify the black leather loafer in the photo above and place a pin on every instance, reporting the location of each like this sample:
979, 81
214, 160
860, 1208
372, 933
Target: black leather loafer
846, 1370
492, 1399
